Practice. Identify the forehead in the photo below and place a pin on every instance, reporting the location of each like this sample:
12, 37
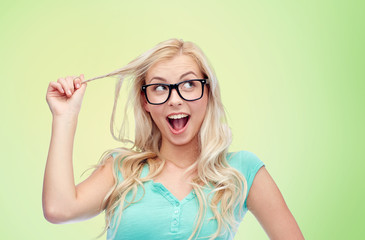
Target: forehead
172, 69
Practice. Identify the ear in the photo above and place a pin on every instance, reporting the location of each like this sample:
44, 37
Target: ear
145, 103
146, 106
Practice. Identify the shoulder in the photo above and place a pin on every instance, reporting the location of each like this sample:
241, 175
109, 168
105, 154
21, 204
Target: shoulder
114, 154
244, 161
117, 157
247, 163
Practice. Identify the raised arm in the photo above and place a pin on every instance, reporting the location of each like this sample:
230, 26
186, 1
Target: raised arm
63, 201
268, 206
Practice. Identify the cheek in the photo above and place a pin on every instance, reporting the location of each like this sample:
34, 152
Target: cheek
205, 107
201, 109
204, 102
156, 112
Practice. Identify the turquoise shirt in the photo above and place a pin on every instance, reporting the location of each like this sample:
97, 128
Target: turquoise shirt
160, 215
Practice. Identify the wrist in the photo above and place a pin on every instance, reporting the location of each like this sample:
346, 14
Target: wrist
65, 118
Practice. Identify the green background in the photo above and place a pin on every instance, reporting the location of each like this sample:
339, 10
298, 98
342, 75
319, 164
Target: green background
292, 79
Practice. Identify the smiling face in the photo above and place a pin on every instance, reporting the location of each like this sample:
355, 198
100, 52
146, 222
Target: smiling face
178, 120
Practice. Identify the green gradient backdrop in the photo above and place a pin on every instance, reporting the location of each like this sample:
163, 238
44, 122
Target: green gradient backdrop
292, 79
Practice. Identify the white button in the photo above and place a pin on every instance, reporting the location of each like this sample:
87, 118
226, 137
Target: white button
176, 211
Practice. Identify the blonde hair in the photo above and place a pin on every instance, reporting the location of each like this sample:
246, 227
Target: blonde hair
229, 186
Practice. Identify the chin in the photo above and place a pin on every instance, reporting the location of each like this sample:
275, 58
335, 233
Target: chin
181, 141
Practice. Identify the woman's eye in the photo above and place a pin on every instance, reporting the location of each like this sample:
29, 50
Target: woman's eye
160, 88
187, 85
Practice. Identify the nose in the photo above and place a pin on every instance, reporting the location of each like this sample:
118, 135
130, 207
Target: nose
174, 98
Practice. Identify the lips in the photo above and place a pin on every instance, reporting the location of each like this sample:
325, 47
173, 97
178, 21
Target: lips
178, 122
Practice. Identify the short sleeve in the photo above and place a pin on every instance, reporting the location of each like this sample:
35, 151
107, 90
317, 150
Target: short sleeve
246, 163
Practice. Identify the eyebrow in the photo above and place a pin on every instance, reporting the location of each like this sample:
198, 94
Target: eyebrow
181, 77
185, 74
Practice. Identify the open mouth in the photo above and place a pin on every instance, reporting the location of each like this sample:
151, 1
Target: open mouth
178, 121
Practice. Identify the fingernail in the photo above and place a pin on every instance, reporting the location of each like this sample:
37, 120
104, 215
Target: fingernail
62, 91
78, 85
69, 92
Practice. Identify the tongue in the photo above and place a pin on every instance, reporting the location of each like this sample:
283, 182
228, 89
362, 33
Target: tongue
178, 124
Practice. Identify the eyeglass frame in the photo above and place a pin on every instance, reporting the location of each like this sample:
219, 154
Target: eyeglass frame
176, 87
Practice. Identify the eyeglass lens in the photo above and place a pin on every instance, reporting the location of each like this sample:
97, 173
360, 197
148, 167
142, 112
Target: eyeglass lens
188, 90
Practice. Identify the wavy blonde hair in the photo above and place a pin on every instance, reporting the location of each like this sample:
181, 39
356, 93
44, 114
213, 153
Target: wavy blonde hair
229, 186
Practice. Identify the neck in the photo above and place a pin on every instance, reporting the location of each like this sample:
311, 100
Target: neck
181, 156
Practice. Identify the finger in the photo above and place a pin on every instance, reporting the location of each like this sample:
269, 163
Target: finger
81, 90
77, 82
83, 87
57, 86
65, 86
82, 78
70, 82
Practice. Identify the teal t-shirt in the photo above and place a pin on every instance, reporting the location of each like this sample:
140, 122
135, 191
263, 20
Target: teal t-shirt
159, 215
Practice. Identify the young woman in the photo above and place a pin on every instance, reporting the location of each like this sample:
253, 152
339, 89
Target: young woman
178, 180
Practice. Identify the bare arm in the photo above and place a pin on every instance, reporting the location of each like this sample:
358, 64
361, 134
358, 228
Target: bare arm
62, 200
268, 206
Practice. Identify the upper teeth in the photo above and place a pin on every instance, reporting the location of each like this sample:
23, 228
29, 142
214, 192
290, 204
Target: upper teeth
177, 116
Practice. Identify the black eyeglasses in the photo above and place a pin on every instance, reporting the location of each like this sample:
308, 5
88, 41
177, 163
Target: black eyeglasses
159, 93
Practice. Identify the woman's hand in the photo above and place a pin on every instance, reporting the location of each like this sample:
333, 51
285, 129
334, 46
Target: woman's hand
64, 97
